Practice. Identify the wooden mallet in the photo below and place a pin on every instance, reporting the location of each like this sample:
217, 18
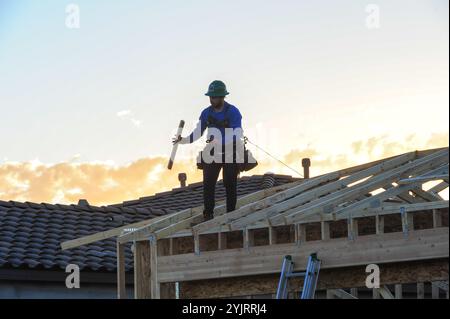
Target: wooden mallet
175, 146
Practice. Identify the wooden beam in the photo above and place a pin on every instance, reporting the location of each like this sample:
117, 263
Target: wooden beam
398, 291
388, 209
149, 229
437, 218
385, 292
154, 282
222, 241
434, 291
332, 278
174, 228
330, 294
430, 197
185, 218
219, 211
406, 196
248, 238
300, 234
118, 231
440, 174
142, 287
197, 243
341, 294
438, 188
407, 221
352, 228
121, 285
376, 293
368, 204
377, 199
108, 234
166, 290
272, 235
317, 206
310, 198
423, 179
266, 203
325, 230
384, 209
420, 290
339, 252
379, 224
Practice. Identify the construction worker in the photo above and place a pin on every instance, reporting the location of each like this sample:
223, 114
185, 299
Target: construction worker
223, 121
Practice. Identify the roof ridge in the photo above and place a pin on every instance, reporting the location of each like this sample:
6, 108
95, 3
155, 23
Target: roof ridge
190, 187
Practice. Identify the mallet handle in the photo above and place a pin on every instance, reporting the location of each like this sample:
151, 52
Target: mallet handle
175, 146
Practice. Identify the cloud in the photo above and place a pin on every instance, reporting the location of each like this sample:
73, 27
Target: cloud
99, 182
126, 114
104, 183
136, 122
123, 113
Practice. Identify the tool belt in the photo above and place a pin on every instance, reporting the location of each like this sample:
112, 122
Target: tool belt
248, 163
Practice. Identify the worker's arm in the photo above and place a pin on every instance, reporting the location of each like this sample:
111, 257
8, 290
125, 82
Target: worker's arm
196, 133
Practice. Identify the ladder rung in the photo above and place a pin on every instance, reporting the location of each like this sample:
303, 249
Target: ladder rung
296, 274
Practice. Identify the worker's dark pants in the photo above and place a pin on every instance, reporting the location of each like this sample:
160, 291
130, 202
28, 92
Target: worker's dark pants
211, 172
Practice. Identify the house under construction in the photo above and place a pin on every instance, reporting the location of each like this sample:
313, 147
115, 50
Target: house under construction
380, 213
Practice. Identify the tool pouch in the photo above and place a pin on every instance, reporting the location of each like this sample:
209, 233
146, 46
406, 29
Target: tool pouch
249, 161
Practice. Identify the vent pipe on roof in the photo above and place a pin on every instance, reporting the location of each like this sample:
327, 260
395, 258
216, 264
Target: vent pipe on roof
83, 202
306, 163
182, 177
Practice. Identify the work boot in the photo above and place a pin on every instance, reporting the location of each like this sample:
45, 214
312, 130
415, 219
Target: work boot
207, 215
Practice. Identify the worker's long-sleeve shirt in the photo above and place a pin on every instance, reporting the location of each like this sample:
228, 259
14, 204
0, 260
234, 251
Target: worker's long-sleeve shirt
228, 135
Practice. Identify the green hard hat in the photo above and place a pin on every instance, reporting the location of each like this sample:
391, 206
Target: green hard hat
217, 88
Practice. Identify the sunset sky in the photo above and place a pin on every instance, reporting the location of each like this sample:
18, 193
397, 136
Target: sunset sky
89, 112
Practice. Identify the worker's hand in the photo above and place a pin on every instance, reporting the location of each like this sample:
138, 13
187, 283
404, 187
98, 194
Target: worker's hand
180, 140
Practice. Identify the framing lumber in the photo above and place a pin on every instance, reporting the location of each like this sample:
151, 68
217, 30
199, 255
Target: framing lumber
341, 294
108, 234
186, 217
121, 287
425, 195
438, 188
423, 179
119, 230
398, 291
313, 196
265, 203
440, 174
333, 278
420, 290
142, 286
155, 286
349, 175
383, 248
385, 292
367, 186
373, 201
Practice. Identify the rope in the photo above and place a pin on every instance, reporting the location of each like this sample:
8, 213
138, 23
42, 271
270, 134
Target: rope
292, 169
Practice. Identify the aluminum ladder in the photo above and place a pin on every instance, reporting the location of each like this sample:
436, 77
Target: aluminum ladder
311, 275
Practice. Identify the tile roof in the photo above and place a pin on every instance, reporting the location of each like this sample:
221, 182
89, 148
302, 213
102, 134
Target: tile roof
31, 233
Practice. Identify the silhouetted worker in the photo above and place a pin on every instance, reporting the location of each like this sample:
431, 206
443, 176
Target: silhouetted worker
221, 118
